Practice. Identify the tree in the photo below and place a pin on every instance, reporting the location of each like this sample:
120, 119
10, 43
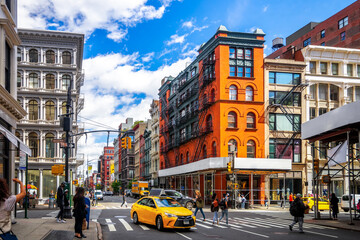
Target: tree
98, 186
116, 186
136, 123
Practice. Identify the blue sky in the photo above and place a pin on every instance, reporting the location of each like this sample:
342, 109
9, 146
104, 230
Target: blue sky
131, 45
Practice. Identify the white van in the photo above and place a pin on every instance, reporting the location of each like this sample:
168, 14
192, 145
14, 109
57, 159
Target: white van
99, 195
345, 202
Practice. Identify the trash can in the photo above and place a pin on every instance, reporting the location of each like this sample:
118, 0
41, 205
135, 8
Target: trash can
51, 201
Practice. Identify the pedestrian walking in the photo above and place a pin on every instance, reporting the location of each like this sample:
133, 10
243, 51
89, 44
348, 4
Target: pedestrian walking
60, 195
243, 201
79, 211
7, 204
266, 202
215, 208
199, 204
238, 201
224, 208
334, 205
297, 210
124, 200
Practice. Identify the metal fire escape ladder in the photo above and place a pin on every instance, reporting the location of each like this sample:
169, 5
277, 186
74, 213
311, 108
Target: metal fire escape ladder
164, 115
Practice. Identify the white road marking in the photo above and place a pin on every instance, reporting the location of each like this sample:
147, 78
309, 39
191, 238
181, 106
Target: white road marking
110, 225
215, 225
144, 227
232, 225
184, 236
201, 225
259, 224
321, 234
94, 220
126, 225
257, 234
47, 218
242, 223
281, 221
19, 211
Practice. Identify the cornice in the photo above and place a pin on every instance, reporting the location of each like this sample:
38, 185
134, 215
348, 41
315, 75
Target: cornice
11, 105
10, 27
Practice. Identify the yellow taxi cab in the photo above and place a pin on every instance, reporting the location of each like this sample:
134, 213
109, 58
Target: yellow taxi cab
163, 212
310, 201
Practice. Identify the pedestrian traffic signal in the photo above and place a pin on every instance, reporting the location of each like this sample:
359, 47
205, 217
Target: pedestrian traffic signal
229, 166
316, 165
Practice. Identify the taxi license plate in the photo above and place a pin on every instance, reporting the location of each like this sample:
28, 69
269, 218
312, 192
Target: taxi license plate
186, 222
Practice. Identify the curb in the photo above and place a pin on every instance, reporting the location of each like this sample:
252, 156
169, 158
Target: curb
99, 231
338, 227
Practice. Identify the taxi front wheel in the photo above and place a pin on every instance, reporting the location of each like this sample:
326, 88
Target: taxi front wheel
159, 223
135, 218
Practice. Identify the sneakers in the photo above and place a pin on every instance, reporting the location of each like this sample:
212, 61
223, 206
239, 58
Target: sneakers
63, 221
301, 231
290, 227
57, 220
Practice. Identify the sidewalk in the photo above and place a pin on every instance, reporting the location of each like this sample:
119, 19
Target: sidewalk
46, 229
340, 223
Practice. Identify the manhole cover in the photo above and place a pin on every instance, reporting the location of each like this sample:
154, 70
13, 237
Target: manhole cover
59, 234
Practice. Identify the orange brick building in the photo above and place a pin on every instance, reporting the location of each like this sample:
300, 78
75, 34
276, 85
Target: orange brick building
216, 102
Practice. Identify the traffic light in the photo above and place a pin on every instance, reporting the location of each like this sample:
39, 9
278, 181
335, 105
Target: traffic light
75, 182
128, 139
123, 142
229, 166
57, 169
316, 165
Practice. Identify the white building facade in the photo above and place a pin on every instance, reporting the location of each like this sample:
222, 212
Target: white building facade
154, 152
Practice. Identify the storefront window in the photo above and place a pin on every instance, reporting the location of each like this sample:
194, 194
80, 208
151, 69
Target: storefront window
49, 183
50, 148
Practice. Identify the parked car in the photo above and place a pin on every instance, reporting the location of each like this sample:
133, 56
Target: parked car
310, 201
185, 201
108, 193
345, 202
99, 195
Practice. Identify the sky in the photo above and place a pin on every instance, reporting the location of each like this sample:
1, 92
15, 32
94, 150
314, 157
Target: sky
130, 45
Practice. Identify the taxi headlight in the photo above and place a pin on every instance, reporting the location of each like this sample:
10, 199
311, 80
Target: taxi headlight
170, 215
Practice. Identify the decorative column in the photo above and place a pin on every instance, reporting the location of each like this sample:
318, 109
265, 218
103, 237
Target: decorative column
41, 184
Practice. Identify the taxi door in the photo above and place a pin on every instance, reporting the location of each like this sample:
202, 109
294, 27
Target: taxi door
150, 212
140, 209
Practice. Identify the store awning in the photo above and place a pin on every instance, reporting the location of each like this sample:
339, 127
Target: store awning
14, 140
262, 164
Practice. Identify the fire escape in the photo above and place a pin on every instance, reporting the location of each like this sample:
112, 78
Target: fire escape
281, 104
164, 130
206, 100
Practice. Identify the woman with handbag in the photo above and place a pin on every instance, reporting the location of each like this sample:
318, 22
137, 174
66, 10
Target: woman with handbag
7, 204
199, 204
79, 211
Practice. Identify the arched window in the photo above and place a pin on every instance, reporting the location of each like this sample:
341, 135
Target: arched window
181, 159
50, 81
33, 110
18, 84
66, 57
50, 110
209, 123
250, 149
231, 143
50, 56
233, 92
212, 95
250, 120
187, 157
214, 154
34, 144
33, 56
205, 100
65, 82
63, 108
204, 152
232, 120
249, 94
33, 80
50, 148
177, 160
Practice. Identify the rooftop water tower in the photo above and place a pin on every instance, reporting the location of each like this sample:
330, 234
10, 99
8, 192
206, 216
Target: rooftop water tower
277, 43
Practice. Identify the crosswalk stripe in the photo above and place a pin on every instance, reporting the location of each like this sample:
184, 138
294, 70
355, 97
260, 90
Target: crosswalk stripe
262, 224
231, 225
201, 225
183, 235
144, 227
242, 223
322, 234
126, 225
214, 225
254, 223
110, 225
307, 225
257, 234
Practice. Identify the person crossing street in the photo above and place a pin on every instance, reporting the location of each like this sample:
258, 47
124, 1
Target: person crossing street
124, 200
297, 210
224, 207
60, 195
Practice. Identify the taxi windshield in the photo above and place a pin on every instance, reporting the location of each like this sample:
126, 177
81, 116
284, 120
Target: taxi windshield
144, 189
167, 203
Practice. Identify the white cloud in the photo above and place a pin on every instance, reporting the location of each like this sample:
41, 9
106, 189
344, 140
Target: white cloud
148, 57
265, 8
188, 24
84, 16
176, 39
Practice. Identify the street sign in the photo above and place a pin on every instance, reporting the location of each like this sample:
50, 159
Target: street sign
326, 179
22, 162
58, 140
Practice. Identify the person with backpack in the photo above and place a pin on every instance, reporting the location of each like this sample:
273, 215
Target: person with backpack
297, 210
215, 208
199, 204
224, 208
334, 201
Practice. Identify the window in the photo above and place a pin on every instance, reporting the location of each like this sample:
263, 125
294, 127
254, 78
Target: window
323, 91
33, 110
50, 148
7, 67
312, 66
8, 4
343, 22
240, 71
204, 152
50, 56
49, 111
357, 93
249, 94
349, 71
50, 81
322, 150
358, 70
232, 71
322, 44
66, 57
19, 56
307, 42
248, 72
250, 149
232, 120
350, 93
63, 108
240, 53
334, 93
65, 82
242, 65
284, 78
233, 92
33, 56
323, 67
335, 68
281, 122
322, 33
214, 149
342, 36
231, 143
193, 72
33, 80
18, 84
187, 157
248, 54
34, 144
278, 146
313, 91
322, 111
232, 53
312, 113
250, 120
